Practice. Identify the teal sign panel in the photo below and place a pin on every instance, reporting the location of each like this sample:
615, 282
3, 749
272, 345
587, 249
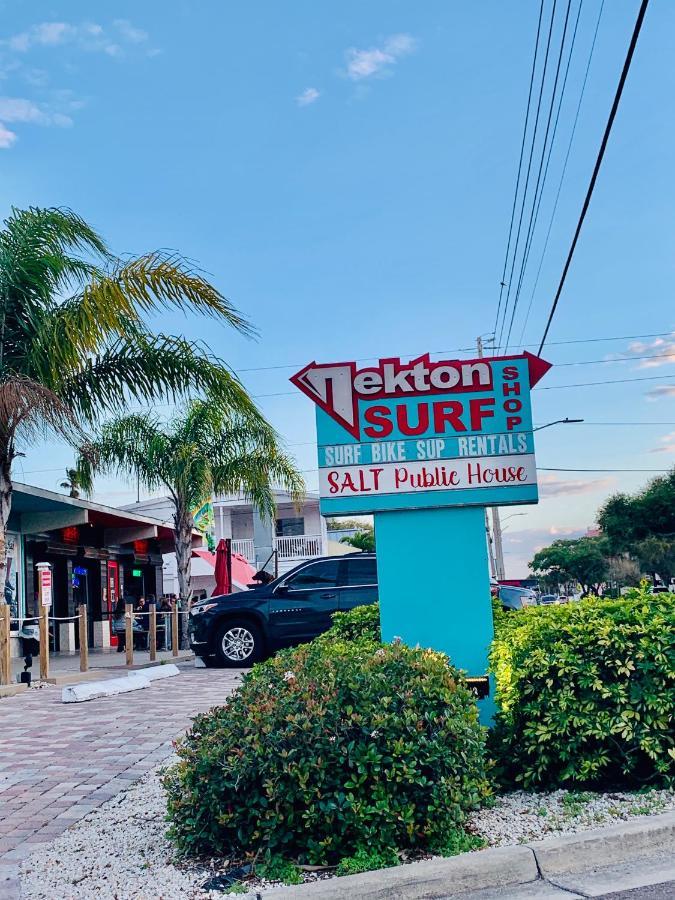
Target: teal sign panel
423, 434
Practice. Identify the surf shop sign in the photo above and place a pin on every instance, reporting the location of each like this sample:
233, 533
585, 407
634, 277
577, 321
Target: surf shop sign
422, 434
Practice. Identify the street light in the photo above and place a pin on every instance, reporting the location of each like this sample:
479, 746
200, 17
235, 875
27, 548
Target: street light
557, 422
512, 516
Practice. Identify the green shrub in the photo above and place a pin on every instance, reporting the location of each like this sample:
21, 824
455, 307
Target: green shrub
456, 841
586, 692
367, 861
329, 749
276, 868
359, 623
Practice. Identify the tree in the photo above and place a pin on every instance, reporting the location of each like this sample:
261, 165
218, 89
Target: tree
74, 345
363, 540
644, 525
206, 449
626, 519
583, 560
72, 483
656, 556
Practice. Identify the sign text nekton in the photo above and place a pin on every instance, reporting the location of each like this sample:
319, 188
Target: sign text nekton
394, 435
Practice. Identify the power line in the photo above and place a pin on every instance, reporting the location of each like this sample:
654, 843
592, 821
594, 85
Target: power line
555, 387
472, 349
564, 171
520, 165
598, 163
527, 174
536, 199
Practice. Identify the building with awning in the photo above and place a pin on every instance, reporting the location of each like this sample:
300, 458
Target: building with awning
97, 554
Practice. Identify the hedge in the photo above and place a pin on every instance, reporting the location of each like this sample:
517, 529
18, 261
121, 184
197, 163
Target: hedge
586, 692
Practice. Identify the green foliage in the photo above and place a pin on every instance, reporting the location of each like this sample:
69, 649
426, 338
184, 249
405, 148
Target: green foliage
359, 623
457, 840
207, 449
276, 868
586, 692
363, 540
367, 861
626, 519
584, 560
330, 748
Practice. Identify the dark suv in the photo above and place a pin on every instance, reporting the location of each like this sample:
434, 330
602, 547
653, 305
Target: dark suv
237, 630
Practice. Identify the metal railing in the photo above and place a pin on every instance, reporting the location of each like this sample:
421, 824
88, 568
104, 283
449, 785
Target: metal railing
244, 547
299, 546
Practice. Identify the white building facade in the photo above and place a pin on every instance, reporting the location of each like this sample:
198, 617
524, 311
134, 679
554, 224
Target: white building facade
295, 535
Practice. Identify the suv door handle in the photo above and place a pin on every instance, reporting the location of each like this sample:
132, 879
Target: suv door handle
328, 596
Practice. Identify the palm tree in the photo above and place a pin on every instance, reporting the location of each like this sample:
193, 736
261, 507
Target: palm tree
206, 449
73, 341
72, 483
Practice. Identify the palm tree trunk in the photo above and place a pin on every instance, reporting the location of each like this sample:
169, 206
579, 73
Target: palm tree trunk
183, 543
5, 509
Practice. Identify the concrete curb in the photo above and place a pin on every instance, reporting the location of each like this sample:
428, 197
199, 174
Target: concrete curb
640, 837
499, 866
493, 868
110, 687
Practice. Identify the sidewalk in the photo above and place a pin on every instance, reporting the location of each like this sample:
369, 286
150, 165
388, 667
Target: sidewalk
59, 761
67, 663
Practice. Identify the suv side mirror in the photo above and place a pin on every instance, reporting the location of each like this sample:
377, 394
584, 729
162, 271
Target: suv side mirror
281, 590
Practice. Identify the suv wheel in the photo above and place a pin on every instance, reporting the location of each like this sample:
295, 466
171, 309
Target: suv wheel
239, 644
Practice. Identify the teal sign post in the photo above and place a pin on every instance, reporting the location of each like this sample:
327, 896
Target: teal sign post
426, 446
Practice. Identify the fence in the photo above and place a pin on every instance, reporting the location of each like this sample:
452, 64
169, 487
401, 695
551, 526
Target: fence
131, 618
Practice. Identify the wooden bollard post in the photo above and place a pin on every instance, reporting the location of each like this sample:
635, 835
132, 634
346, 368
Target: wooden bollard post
5, 661
153, 632
129, 632
44, 642
174, 630
45, 603
84, 639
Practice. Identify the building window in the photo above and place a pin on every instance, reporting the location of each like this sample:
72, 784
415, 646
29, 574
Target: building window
290, 526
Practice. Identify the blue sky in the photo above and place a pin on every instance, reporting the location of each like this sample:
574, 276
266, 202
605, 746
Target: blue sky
345, 173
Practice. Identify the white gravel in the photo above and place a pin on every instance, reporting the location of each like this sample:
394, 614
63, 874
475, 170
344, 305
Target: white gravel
520, 817
120, 852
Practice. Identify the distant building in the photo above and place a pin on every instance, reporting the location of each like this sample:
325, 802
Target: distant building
294, 536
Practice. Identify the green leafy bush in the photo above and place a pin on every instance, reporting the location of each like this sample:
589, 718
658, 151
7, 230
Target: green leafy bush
329, 749
587, 692
367, 861
359, 623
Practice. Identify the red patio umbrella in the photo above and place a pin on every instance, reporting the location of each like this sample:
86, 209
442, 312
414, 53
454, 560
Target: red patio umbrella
223, 568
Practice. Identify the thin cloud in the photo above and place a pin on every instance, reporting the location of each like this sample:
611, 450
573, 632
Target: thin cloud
18, 109
7, 137
668, 441
662, 351
551, 485
130, 32
90, 36
663, 390
377, 61
308, 96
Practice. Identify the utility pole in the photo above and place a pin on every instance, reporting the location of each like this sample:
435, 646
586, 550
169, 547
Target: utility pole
495, 538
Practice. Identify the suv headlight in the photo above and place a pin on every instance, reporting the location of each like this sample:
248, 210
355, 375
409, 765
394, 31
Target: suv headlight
202, 608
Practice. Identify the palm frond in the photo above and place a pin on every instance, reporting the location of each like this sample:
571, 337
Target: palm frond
28, 409
149, 369
132, 445
158, 281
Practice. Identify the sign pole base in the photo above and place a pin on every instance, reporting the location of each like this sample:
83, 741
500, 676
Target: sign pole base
434, 586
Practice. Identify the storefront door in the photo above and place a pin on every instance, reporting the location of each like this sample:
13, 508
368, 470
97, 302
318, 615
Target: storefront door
113, 594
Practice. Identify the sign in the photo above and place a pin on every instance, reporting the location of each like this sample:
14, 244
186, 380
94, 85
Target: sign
45, 578
422, 434
136, 573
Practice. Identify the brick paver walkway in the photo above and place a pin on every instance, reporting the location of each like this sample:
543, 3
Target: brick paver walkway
59, 761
